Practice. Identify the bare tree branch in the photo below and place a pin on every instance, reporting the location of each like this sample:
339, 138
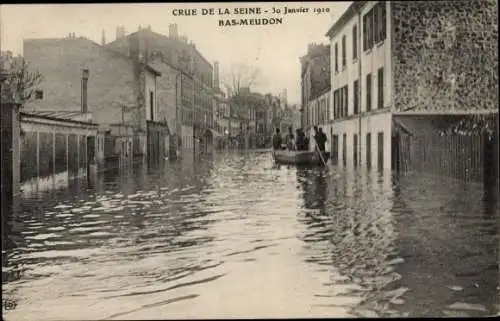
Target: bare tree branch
240, 76
22, 80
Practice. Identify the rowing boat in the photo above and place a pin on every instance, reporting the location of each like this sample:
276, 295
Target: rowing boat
292, 157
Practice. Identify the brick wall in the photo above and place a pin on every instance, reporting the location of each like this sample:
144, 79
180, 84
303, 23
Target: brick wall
112, 78
445, 54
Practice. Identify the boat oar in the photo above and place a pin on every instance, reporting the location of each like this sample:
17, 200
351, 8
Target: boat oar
319, 152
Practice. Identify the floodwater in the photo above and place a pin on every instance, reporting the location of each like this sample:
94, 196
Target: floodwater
233, 235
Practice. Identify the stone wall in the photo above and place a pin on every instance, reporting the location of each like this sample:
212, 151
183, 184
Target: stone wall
445, 55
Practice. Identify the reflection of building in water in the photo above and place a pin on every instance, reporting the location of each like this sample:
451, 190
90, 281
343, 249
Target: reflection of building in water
314, 186
357, 223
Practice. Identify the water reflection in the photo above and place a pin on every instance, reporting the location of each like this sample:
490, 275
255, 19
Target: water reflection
227, 235
403, 247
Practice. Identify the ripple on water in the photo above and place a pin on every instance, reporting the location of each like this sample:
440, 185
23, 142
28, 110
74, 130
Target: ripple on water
337, 245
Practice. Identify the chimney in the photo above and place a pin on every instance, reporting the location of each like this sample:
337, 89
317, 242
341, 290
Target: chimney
216, 74
172, 31
85, 78
120, 32
103, 37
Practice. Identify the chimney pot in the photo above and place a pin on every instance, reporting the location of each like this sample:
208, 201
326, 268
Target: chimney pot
85, 73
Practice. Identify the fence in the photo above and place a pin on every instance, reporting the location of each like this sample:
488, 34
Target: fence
467, 158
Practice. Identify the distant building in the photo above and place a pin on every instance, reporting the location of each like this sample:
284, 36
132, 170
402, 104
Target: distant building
392, 60
315, 79
119, 92
183, 68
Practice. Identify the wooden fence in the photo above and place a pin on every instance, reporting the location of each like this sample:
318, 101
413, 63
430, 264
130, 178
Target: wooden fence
467, 158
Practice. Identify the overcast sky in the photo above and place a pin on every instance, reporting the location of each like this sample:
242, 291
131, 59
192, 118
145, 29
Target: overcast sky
275, 50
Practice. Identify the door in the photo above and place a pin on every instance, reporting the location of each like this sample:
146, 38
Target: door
335, 150
355, 149
369, 150
380, 147
344, 150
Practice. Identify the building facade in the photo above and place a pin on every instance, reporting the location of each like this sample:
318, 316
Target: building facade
386, 61
191, 72
81, 75
315, 79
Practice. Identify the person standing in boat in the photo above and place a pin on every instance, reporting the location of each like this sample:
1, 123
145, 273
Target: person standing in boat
320, 138
277, 141
290, 139
301, 141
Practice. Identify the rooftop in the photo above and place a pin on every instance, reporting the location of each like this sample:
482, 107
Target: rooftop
348, 14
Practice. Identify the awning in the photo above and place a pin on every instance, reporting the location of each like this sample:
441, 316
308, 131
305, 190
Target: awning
213, 133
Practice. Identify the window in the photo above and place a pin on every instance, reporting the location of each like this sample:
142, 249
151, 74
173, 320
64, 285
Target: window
336, 58
341, 102
368, 92
382, 21
335, 104
380, 93
356, 97
365, 32
355, 42
355, 149
344, 54
38, 94
368, 150
374, 26
370, 29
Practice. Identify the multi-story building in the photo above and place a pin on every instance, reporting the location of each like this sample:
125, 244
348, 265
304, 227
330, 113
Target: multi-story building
315, 79
395, 58
191, 74
80, 74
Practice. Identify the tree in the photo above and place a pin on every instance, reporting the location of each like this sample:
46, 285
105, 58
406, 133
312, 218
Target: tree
23, 82
240, 76
238, 83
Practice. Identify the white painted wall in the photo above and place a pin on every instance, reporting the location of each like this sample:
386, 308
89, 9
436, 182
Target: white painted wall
375, 124
346, 75
371, 124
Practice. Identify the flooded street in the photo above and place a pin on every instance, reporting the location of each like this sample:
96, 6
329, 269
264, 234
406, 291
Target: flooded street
236, 236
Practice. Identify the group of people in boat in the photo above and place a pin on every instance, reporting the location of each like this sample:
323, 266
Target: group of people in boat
299, 141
